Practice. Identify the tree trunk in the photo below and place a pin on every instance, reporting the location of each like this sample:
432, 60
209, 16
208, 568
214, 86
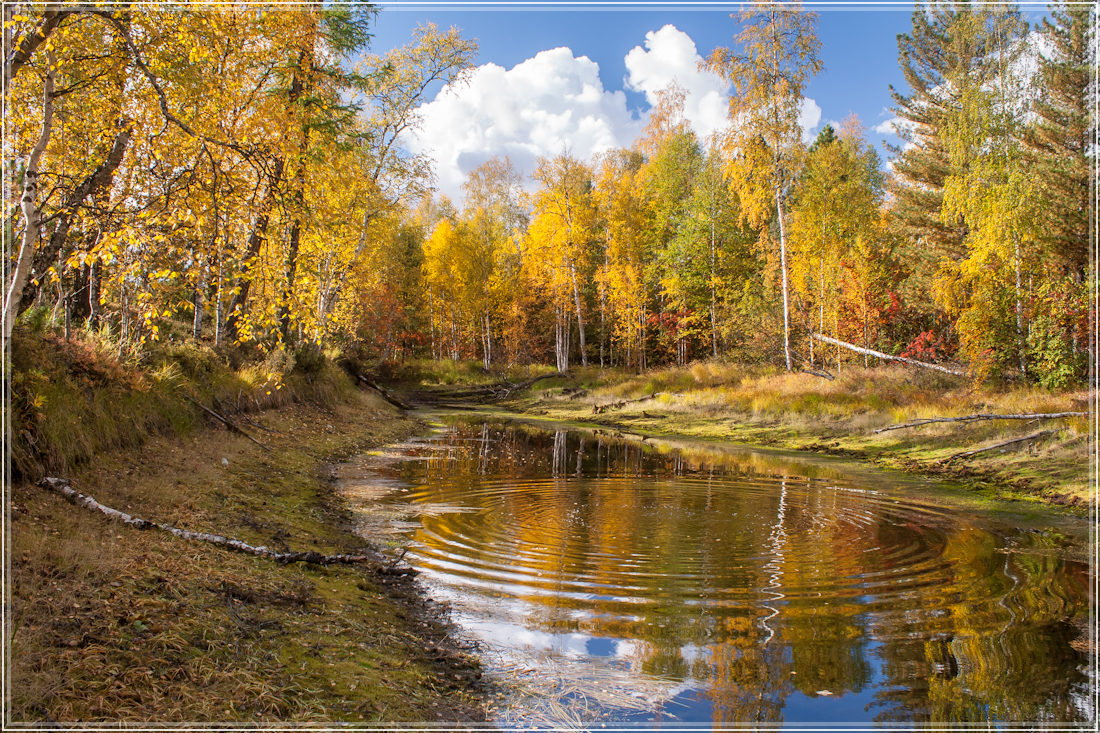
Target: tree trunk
198, 298
93, 294
431, 320
243, 281
32, 217
288, 287
1021, 348
783, 269
580, 317
297, 87
880, 355
486, 342
29, 43
98, 180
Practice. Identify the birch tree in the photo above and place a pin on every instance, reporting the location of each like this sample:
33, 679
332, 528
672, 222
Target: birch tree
777, 56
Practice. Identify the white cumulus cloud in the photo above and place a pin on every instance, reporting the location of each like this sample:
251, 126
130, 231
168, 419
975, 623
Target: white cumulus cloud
670, 56
809, 114
555, 102
546, 105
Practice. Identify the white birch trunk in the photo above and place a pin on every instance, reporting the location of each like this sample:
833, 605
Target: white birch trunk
783, 269
32, 217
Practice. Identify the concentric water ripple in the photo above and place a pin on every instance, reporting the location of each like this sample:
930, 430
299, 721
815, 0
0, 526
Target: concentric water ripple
731, 587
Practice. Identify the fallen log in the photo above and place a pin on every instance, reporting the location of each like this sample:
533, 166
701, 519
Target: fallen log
823, 374
1033, 436
64, 488
385, 393
244, 418
598, 409
228, 423
513, 387
982, 416
497, 390
888, 357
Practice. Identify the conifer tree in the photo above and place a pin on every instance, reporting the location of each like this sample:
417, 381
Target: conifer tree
932, 55
1062, 131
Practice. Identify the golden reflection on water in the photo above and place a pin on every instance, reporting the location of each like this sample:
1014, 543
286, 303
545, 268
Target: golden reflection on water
732, 587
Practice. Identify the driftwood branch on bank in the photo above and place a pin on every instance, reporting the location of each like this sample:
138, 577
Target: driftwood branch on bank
497, 390
385, 393
819, 373
982, 416
64, 488
888, 357
995, 446
228, 423
597, 409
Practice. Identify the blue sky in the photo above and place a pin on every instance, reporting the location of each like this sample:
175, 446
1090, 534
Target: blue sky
859, 51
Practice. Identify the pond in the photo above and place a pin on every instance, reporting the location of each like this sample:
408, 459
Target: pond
609, 580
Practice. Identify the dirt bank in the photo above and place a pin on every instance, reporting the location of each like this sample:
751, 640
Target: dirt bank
109, 623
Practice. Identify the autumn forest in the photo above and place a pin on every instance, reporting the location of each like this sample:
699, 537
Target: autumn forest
238, 176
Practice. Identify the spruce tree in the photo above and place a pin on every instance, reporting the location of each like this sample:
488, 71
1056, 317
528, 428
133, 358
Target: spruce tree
1061, 132
931, 56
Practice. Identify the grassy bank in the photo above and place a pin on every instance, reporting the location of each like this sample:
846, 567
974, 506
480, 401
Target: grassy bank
112, 624
762, 406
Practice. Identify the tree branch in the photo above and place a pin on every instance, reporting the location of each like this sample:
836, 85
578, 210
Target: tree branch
982, 416
63, 487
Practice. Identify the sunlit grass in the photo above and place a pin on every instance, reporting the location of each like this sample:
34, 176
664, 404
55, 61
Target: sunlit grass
72, 398
761, 404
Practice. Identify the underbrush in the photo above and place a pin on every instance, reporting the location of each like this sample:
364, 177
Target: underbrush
72, 398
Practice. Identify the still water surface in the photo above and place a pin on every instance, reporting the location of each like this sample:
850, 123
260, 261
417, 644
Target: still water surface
609, 580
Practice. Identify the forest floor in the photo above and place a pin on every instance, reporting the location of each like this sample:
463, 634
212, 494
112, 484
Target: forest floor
108, 623
725, 402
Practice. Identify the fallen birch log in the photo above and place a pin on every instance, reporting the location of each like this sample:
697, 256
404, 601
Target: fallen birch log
888, 357
982, 416
1033, 436
64, 488
229, 424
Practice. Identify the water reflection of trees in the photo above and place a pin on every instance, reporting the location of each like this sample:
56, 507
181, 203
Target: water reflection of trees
754, 593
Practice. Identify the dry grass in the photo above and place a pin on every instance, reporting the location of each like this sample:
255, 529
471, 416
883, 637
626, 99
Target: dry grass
722, 401
72, 399
415, 373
